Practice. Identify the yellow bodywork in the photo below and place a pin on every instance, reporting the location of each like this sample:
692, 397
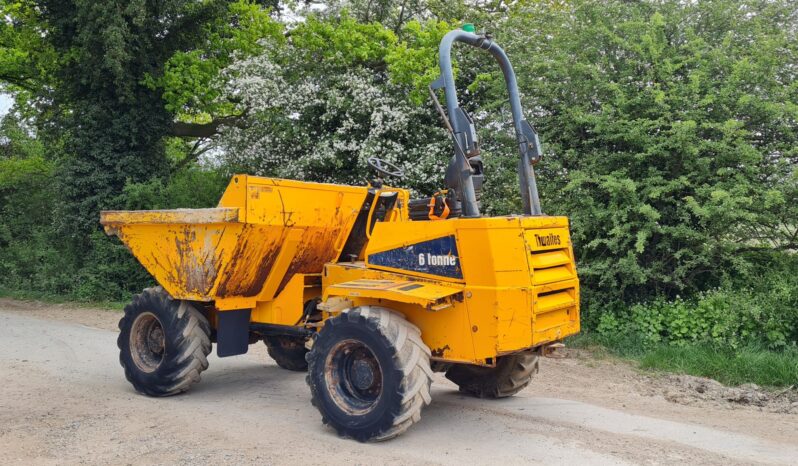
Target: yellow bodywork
515, 294
272, 245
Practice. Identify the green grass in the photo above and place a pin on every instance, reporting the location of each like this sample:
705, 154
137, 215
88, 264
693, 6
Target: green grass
729, 366
61, 299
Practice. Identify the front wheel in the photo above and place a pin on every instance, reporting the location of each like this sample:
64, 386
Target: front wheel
163, 343
511, 375
369, 373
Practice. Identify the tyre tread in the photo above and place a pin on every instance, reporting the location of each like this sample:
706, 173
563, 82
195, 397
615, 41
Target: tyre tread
194, 344
289, 359
411, 358
512, 374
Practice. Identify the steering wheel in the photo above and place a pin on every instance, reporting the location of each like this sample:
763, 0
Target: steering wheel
385, 168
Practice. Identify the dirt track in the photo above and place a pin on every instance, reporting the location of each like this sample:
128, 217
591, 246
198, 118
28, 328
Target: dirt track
63, 399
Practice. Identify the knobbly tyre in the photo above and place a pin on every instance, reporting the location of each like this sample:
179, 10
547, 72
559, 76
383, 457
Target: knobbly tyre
367, 290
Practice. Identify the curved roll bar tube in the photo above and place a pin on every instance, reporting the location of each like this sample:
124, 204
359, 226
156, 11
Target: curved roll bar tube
458, 175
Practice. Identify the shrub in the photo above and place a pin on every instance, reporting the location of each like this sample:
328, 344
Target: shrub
36, 259
765, 315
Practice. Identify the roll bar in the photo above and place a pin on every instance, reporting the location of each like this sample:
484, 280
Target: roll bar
466, 146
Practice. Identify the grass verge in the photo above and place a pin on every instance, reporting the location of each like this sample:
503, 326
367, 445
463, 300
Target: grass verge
60, 299
774, 369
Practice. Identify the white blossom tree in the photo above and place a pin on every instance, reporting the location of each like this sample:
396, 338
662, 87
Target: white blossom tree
323, 122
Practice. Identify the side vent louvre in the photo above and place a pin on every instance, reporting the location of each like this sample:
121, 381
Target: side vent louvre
551, 266
547, 301
555, 288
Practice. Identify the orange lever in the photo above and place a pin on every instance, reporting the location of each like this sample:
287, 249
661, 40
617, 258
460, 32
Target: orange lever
444, 215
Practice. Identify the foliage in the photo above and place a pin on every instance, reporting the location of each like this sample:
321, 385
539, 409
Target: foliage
321, 105
188, 189
27, 61
670, 139
670, 134
730, 367
760, 313
116, 124
35, 259
105, 82
191, 79
26, 192
414, 60
344, 42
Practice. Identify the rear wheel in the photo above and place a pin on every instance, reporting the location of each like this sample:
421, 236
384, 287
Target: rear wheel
163, 343
288, 352
369, 373
511, 375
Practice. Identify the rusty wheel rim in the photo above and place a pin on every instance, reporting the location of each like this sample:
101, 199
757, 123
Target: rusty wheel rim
147, 342
353, 376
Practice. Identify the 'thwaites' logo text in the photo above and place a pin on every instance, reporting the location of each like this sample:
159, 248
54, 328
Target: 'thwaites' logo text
548, 240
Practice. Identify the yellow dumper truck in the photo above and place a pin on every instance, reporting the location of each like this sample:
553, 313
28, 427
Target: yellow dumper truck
366, 289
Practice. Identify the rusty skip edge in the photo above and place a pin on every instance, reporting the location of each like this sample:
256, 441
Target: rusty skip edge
110, 218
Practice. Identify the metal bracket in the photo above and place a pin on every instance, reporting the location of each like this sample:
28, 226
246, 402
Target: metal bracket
334, 304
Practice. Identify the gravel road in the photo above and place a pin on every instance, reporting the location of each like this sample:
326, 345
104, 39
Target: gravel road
64, 399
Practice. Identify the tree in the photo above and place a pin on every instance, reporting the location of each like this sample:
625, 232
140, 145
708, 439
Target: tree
670, 132
105, 84
321, 104
26, 180
111, 79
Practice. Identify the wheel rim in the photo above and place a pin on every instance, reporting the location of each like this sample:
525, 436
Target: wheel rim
354, 377
147, 342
